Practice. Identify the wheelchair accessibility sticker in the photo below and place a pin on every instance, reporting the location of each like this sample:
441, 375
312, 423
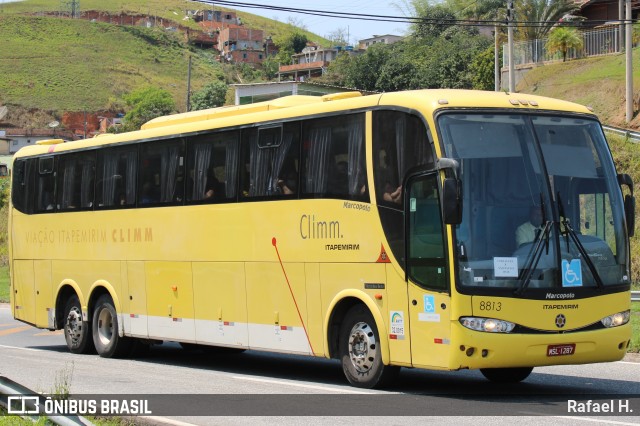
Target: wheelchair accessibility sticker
429, 313
572, 273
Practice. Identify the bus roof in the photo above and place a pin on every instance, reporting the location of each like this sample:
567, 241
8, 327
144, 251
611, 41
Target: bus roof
426, 101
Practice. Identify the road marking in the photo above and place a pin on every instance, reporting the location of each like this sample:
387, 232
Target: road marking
587, 419
23, 349
286, 383
15, 330
10, 324
50, 333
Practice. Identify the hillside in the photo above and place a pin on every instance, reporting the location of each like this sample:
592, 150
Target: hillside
168, 10
73, 65
596, 82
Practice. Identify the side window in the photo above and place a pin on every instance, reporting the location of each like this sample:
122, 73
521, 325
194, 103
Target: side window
22, 187
46, 184
271, 161
333, 158
76, 174
400, 142
116, 177
213, 167
161, 173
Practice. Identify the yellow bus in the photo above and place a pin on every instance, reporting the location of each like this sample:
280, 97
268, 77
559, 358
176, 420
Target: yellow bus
436, 229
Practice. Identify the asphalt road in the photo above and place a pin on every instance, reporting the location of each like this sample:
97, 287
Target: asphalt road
262, 388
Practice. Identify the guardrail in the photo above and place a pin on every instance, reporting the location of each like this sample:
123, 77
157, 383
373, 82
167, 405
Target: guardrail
10, 388
633, 136
635, 296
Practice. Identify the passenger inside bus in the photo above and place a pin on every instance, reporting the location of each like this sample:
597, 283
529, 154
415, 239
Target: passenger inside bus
527, 232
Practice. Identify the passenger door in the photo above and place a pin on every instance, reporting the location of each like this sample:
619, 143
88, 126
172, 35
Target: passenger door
427, 274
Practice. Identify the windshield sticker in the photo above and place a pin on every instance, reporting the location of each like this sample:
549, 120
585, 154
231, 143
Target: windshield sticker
397, 324
505, 266
412, 205
572, 273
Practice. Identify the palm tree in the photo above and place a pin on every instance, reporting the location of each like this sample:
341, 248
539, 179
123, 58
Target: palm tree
562, 39
541, 11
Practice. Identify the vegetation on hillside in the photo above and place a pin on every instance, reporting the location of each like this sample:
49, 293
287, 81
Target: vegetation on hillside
75, 65
598, 82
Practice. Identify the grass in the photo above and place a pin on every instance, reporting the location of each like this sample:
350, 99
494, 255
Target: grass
635, 327
75, 65
4, 284
598, 82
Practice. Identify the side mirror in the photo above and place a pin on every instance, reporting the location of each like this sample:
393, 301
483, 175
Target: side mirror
630, 213
451, 202
629, 203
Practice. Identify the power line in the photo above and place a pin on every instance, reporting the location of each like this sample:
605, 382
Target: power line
405, 19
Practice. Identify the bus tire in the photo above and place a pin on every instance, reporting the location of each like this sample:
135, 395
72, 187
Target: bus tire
77, 333
105, 330
359, 349
506, 375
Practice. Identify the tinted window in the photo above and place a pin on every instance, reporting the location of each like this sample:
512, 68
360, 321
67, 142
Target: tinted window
271, 161
116, 177
22, 189
161, 173
76, 175
400, 142
46, 185
333, 156
213, 167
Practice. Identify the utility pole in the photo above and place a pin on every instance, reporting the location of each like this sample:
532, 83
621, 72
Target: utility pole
189, 86
496, 60
628, 54
512, 73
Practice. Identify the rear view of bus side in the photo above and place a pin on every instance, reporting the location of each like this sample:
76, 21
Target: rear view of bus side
385, 231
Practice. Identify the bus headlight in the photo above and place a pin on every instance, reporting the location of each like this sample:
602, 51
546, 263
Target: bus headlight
616, 320
489, 325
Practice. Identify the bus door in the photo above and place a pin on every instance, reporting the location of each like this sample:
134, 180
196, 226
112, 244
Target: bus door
426, 272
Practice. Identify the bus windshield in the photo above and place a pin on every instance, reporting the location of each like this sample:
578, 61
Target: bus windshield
541, 204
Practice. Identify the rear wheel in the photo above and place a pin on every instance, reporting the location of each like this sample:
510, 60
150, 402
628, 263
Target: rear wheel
77, 333
360, 351
105, 330
506, 375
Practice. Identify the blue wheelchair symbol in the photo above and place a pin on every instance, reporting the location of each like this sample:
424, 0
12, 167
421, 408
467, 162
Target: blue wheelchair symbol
429, 304
572, 273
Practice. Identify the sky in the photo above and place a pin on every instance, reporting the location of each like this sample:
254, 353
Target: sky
358, 29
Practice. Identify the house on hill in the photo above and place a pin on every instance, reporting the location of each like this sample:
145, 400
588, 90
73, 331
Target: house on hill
311, 62
384, 39
239, 44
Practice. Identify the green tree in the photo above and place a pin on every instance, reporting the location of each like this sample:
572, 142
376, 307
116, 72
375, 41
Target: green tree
549, 11
146, 104
561, 39
210, 96
483, 70
289, 44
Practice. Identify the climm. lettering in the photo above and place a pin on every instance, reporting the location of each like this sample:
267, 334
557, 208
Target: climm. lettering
132, 235
313, 229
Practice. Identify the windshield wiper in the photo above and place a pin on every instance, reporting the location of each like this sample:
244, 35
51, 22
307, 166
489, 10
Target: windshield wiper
570, 232
541, 240
536, 251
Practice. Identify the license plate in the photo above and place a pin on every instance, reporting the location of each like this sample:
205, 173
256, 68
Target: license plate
559, 350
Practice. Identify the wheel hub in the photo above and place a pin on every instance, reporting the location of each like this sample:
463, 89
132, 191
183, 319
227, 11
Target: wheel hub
105, 326
74, 325
363, 348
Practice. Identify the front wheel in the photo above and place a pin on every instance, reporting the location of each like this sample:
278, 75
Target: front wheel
360, 351
77, 333
105, 330
506, 375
